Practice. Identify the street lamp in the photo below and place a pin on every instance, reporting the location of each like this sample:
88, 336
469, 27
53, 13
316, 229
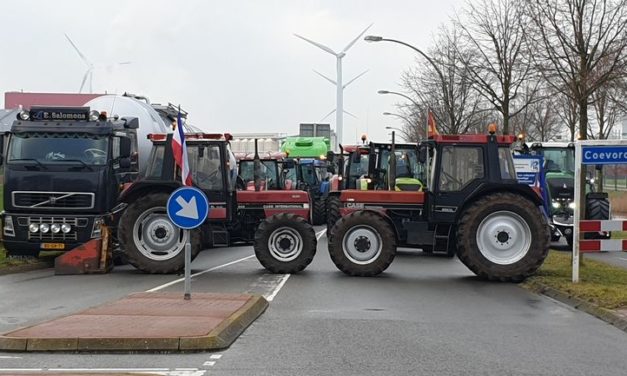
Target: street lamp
408, 120
399, 94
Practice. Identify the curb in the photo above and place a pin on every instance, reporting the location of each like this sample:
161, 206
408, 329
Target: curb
219, 338
604, 314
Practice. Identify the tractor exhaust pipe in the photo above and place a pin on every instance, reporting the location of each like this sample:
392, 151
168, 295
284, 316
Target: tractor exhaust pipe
392, 166
257, 169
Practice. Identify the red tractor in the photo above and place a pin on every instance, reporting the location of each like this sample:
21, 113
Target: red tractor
276, 222
473, 206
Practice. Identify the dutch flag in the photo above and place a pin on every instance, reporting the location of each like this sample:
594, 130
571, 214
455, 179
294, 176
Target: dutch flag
179, 149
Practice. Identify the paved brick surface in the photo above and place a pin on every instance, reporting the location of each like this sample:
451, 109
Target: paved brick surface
144, 321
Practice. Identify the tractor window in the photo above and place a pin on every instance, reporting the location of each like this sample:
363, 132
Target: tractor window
206, 169
267, 173
155, 162
460, 166
357, 169
559, 159
506, 164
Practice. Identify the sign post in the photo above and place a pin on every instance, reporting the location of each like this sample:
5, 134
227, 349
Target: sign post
594, 152
187, 208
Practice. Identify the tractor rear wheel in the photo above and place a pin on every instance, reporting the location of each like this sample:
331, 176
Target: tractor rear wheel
503, 237
333, 212
319, 211
150, 241
285, 243
362, 244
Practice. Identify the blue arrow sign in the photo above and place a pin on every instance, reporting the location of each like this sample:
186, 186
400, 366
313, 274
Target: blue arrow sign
600, 155
188, 207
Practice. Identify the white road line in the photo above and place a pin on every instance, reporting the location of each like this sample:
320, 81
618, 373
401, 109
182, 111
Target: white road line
199, 273
209, 363
319, 235
216, 356
10, 357
21, 369
111, 369
277, 288
623, 258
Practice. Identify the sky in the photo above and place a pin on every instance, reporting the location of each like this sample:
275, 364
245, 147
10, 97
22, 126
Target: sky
235, 66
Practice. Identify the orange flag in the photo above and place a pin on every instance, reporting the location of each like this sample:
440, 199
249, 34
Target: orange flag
431, 129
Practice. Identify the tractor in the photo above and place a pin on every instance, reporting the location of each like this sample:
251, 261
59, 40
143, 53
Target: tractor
472, 206
276, 222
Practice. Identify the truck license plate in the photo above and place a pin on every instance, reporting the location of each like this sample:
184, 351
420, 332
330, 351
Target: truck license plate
52, 246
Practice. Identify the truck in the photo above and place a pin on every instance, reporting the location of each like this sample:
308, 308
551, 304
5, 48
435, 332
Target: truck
276, 222
472, 206
64, 171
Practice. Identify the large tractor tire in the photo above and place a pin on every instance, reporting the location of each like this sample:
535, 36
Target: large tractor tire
150, 241
503, 237
362, 244
333, 212
285, 243
319, 211
597, 207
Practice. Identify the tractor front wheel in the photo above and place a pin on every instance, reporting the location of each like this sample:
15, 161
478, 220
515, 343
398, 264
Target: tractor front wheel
362, 244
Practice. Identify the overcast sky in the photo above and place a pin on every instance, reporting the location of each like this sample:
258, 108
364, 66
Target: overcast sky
233, 65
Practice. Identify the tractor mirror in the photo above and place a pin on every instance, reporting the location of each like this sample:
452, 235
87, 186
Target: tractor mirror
125, 163
356, 157
125, 147
288, 164
422, 153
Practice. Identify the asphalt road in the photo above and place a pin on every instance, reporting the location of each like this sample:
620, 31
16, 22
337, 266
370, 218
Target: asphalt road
425, 315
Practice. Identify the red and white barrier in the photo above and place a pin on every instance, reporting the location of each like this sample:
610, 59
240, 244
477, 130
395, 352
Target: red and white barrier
602, 245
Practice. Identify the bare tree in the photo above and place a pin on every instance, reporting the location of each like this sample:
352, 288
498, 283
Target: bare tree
568, 112
578, 46
609, 108
442, 84
499, 71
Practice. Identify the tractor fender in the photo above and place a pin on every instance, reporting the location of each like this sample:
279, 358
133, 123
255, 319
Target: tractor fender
385, 217
144, 187
485, 190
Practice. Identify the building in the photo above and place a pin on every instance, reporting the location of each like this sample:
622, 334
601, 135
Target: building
266, 142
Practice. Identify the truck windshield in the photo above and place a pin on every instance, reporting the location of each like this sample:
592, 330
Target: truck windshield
48, 148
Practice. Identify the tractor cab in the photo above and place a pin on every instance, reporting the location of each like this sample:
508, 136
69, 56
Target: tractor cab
269, 171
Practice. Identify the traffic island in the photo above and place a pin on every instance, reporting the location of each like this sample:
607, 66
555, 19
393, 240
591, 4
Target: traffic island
144, 322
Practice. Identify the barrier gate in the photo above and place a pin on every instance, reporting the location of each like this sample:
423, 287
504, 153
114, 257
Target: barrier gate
595, 152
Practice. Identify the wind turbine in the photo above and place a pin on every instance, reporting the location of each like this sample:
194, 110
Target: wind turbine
339, 109
89, 73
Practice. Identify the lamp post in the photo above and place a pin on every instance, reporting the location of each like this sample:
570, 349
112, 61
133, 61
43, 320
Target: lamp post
403, 133
399, 94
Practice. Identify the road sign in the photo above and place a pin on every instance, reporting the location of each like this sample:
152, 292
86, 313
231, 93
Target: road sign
188, 207
597, 154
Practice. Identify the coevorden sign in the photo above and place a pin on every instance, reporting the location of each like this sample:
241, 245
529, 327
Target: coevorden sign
603, 154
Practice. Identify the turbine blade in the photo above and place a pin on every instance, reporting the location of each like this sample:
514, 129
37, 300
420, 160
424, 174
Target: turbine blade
325, 77
356, 39
327, 115
348, 113
91, 81
80, 90
356, 77
78, 51
320, 46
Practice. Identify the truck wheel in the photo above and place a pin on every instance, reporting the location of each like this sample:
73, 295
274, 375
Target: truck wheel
319, 211
151, 242
597, 208
362, 244
333, 212
503, 237
285, 243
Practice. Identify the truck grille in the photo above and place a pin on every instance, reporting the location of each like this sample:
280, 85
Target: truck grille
53, 200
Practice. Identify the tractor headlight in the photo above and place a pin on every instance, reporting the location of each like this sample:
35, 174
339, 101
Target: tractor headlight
44, 228
572, 205
55, 228
555, 204
65, 228
93, 115
24, 115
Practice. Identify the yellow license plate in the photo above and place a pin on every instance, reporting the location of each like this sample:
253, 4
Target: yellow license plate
52, 246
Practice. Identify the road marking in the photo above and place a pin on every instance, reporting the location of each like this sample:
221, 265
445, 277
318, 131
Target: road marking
623, 258
110, 369
21, 369
216, 356
10, 357
319, 235
209, 363
278, 288
199, 273
158, 371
